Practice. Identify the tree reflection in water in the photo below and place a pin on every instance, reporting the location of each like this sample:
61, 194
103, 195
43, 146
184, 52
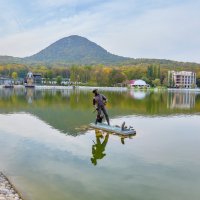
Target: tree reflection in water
60, 108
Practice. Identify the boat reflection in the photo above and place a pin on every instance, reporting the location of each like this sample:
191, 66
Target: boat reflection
30, 94
6, 92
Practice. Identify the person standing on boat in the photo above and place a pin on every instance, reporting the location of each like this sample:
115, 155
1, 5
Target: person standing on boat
99, 101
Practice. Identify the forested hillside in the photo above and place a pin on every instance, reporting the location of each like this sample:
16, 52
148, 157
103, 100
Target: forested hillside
100, 75
75, 50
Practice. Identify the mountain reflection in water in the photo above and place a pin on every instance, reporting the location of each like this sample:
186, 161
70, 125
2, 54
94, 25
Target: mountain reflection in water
70, 110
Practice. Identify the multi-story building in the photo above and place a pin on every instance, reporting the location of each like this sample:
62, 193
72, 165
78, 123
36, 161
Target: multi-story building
181, 79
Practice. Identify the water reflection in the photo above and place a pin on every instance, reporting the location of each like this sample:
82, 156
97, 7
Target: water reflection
49, 165
29, 94
181, 100
139, 94
98, 148
68, 110
6, 92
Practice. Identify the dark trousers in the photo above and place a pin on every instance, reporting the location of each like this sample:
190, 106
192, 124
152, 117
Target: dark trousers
103, 109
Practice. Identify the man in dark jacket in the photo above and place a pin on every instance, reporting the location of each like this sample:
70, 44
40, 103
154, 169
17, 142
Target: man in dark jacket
99, 101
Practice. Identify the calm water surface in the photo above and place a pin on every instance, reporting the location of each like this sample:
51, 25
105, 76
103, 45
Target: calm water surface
49, 153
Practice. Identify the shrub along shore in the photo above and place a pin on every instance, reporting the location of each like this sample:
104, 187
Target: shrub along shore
7, 190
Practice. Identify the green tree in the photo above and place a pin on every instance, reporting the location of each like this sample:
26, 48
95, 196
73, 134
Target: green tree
58, 80
150, 72
198, 82
156, 82
158, 75
164, 82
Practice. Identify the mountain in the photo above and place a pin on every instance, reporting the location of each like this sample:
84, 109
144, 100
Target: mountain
10, 59
75, 50
81, 51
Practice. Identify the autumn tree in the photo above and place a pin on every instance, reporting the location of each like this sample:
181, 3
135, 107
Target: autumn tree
116, 76
156, 82
14, 76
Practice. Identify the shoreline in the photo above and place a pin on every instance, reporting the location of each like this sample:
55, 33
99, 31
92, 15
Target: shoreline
107, 88
7, 190
184, 89
60, 87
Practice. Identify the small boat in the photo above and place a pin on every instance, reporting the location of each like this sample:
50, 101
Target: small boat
114, 129
29, 86
8, 85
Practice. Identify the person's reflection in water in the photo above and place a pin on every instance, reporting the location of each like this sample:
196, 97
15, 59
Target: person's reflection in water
99, 147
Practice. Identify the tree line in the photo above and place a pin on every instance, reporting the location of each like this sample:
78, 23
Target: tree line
99, 75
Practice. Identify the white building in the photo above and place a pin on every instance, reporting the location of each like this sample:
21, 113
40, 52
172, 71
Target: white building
138, 83
182, 79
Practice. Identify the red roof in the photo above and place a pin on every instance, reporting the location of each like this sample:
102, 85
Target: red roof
131, 81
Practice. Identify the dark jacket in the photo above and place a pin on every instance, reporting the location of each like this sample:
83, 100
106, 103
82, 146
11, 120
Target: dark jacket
99, 100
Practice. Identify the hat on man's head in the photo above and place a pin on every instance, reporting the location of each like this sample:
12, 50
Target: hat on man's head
95, 90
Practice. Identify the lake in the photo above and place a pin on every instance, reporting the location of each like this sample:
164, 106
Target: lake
49, 152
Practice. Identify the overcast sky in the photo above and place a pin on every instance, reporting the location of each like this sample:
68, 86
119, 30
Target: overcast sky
167, 29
